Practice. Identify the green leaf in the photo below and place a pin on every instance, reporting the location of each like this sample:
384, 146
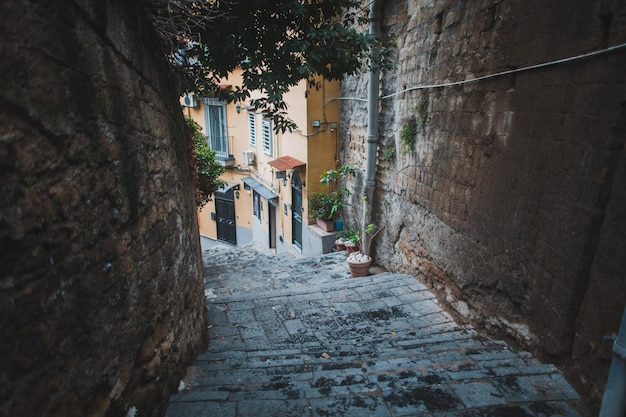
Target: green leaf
277, 43
207, 169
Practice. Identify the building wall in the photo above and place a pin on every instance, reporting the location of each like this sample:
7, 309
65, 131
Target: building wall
510, 205
317, 147
101, 300
322, 148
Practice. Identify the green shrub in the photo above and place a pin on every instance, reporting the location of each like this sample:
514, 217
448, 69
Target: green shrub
325, 206
206, 175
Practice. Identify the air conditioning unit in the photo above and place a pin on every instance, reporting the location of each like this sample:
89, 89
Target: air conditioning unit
189, 100
248, 157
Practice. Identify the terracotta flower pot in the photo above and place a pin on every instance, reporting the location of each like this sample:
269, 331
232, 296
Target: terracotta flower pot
350, 248
326, 225
360, 269
340, 245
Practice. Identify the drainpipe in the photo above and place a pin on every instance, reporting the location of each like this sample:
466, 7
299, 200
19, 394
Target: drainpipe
614, 400
375, 18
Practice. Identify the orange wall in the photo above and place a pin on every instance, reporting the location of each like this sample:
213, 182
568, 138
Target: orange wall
316, 147
322, 143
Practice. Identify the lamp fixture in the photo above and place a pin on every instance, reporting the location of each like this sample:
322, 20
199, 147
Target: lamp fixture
237, 194
238, 108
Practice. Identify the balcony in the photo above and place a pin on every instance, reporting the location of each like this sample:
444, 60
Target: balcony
220, 145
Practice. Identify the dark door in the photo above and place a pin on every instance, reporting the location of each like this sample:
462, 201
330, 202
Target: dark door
271, 214
296, 210
225, 217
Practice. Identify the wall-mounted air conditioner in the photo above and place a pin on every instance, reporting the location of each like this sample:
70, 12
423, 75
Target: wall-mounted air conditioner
248, 157
189, 100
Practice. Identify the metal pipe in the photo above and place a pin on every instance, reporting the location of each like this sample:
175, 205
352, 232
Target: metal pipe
614, 399
373, 97
375, 17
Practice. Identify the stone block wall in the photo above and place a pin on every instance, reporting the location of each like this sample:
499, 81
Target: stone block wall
101, 295
511, 203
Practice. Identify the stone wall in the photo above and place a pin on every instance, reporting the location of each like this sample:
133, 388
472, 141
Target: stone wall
101, 295
511, 205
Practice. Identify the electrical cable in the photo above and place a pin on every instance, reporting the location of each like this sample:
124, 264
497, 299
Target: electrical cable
485, 77
345, 98
513, 71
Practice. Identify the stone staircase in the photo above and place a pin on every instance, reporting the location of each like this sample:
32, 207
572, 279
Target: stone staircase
298, 337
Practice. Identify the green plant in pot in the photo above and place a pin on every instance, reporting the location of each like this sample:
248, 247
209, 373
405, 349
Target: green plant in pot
359, 260
332, 178
324, 207
352, 240
345, 240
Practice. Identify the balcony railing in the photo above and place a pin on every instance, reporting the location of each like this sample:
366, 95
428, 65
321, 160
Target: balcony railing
221, 145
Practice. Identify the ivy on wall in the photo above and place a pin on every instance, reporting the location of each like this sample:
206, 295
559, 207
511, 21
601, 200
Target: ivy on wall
409, 130
408, 135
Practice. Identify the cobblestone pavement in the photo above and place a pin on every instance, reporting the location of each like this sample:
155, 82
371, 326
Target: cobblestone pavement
298, 337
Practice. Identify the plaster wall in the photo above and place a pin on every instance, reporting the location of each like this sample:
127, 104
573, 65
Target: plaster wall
317, 147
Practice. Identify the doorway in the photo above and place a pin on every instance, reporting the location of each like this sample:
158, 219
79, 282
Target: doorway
271, 215
296, 210
225, 216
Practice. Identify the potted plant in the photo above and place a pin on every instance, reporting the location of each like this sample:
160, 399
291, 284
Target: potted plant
359, 264
340, 243
323, 207
335, 198
332, 176
360, 261
353, 239
346, 240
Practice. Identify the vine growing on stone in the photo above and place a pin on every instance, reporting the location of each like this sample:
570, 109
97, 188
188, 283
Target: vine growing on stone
408, 135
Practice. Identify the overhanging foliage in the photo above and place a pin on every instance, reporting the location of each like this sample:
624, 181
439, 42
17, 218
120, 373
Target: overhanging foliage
277, 43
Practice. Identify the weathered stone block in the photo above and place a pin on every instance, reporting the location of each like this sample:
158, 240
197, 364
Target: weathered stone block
510, 210
98, 287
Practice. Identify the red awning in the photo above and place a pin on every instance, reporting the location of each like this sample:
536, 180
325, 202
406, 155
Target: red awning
286, 162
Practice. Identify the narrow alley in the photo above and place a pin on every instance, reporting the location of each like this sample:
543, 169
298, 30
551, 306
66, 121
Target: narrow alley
298, 337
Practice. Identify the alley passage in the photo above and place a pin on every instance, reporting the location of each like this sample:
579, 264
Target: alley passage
298, 337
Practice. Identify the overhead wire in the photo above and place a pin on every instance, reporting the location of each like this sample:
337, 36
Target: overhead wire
512, 71
498, 74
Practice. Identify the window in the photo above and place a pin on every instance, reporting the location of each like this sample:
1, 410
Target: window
215, 121
252, 125
266, 131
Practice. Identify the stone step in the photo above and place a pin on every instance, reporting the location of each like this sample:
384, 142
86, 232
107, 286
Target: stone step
298, 337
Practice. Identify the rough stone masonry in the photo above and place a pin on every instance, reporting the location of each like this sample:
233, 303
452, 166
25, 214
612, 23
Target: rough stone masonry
506, 195
101, 295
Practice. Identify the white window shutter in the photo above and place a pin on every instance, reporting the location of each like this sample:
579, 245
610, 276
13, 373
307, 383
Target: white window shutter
266, 131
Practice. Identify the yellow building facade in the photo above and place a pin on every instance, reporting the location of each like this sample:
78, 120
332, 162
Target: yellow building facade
269, 175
